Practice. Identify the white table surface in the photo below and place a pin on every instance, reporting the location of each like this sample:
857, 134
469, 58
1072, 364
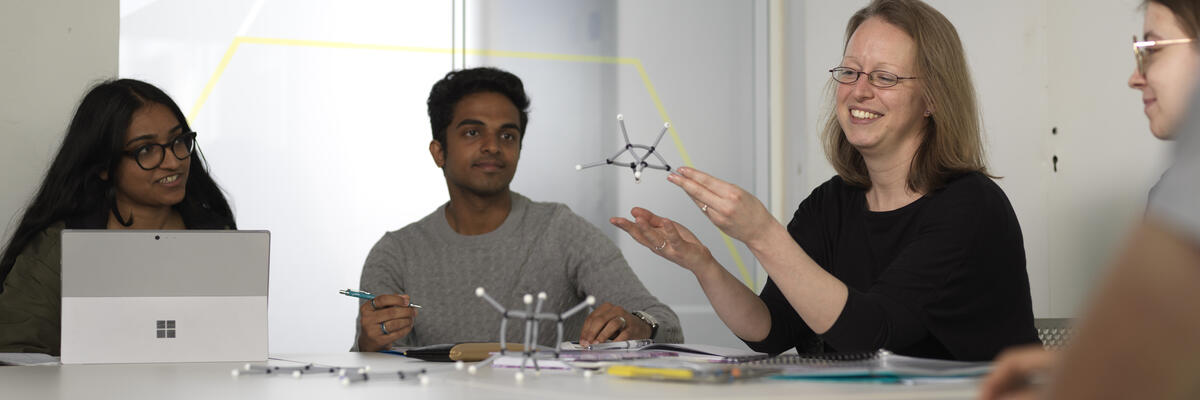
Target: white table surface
214, 381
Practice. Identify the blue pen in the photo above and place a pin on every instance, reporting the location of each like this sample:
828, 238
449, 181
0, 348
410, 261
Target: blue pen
366, 295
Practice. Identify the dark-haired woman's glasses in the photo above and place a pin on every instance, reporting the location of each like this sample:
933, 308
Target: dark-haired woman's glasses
1143, 49
150, 156
880, 79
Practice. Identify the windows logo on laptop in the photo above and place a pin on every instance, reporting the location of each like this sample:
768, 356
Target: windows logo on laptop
166, 328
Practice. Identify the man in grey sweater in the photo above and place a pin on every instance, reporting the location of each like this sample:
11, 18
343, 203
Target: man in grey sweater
488, 236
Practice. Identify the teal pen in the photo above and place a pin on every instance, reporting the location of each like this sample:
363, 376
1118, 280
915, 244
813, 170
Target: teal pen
366, 295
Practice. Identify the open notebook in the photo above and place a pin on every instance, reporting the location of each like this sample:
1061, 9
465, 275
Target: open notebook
881, 366
882, 363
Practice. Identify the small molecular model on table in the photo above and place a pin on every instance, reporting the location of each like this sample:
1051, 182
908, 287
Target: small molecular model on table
533, 317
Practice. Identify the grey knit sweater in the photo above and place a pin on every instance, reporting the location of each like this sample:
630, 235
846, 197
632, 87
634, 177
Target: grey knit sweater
540, 247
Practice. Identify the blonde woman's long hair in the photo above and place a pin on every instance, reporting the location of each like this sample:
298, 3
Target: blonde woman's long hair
951, 142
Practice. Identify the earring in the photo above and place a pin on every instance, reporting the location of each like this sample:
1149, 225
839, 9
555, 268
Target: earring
928, 113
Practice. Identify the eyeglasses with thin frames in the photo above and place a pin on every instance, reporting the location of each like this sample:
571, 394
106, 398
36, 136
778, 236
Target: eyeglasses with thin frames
1142, 49
150, 156
880, 79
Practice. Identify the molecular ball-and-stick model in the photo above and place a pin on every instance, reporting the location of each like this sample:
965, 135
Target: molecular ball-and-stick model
346, 375
639, 160
533, 317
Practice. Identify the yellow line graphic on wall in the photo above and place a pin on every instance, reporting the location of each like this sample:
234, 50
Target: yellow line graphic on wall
636, 63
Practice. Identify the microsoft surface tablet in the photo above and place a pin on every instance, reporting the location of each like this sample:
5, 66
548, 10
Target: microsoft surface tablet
164, 296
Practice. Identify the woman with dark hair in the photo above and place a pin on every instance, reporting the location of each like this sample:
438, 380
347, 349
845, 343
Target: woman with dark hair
912, 247
129, 161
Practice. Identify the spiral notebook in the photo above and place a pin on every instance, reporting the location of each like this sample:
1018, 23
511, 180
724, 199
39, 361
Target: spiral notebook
877, 364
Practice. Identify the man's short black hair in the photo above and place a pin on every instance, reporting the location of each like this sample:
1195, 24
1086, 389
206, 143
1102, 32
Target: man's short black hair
448, 91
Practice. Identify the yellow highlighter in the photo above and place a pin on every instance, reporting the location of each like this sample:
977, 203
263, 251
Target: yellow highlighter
634, 371
686, 371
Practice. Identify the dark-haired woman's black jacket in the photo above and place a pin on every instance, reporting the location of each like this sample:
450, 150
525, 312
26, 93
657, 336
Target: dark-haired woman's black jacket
31, 303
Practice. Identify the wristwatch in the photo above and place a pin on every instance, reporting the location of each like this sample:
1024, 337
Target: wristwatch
649, 320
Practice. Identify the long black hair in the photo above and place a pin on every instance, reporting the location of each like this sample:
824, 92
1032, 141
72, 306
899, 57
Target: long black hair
72, 188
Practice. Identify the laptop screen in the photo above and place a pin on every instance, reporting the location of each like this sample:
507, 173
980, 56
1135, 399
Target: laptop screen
109, 263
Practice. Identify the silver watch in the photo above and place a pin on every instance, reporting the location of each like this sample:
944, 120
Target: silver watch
649, 320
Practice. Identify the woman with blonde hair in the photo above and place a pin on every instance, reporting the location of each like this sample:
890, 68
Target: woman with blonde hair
911, 247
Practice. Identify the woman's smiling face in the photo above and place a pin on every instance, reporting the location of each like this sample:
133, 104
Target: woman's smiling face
1170, 72
877, 120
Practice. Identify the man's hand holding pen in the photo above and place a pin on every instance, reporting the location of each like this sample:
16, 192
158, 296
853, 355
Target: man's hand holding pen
383, 320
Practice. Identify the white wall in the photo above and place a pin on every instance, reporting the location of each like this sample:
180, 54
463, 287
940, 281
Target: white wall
324, 144
52, 51
705, 64
1108, 159
700, 58
1036, 66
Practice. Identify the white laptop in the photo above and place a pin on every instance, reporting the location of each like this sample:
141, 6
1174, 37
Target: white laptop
164, 296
